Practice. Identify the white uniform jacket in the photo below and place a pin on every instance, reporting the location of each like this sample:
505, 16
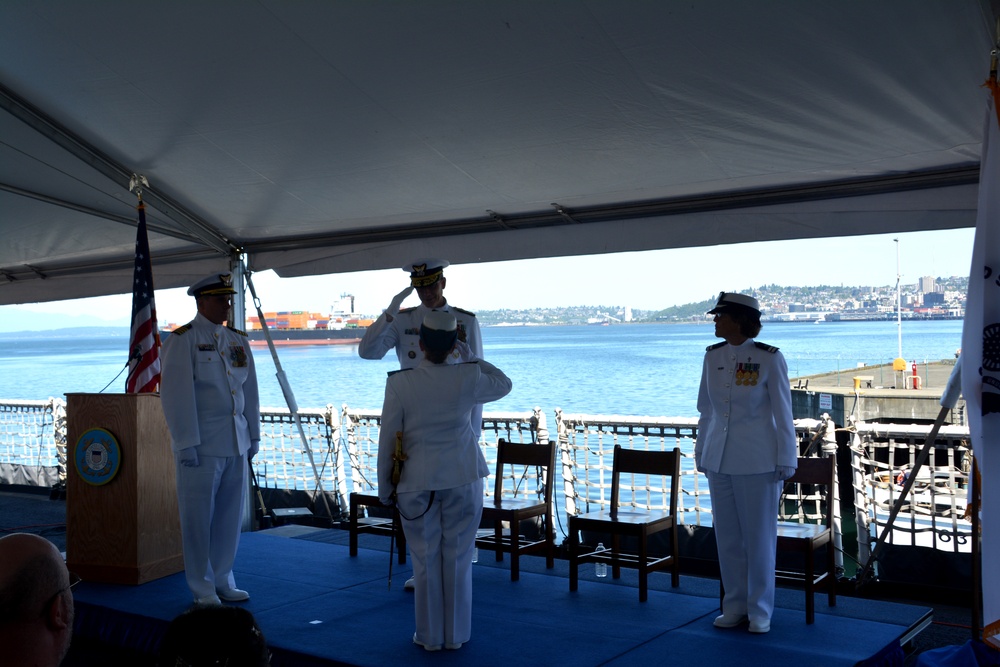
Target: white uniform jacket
403, 333
208, 389
745, 404
431, 406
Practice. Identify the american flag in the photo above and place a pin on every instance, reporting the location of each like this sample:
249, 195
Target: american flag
144, 343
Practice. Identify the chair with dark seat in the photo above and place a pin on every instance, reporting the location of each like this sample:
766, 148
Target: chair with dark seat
368, 515
628, 521
813, 480
522, 491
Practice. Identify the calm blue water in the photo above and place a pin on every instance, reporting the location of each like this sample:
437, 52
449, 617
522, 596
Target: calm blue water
649, 370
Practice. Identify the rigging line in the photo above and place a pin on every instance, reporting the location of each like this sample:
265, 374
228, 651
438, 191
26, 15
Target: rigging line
286, 391
901, 500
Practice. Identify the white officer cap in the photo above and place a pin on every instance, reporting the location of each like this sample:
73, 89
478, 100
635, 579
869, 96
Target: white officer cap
217, 283
438, 331
424, 272
732, 300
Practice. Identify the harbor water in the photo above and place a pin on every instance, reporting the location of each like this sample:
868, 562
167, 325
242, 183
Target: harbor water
624, 369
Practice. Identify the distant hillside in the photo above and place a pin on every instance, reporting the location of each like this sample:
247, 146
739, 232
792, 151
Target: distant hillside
685, 312
15, 319
774, 300
69, 332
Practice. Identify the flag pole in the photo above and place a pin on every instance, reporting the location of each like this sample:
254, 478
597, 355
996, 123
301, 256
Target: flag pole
144, 336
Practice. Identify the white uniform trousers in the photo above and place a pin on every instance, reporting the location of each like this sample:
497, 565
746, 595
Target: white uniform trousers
210, 497
441, 543
745, 519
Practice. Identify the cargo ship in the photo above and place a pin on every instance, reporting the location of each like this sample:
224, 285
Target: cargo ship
342, 326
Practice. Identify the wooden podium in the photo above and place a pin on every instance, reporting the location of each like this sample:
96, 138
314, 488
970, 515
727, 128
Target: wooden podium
122, 524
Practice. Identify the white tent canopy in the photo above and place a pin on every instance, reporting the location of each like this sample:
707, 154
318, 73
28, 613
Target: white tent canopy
323, 137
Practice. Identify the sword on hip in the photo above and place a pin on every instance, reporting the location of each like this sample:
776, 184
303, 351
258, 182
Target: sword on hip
397, 468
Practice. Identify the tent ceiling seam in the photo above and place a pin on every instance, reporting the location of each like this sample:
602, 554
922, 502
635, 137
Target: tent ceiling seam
130, 221
949, 177
106, 166
28, 272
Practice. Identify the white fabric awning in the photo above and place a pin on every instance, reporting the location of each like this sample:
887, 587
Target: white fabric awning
323, 137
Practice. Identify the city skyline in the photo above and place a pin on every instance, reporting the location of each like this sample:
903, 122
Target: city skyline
649, 280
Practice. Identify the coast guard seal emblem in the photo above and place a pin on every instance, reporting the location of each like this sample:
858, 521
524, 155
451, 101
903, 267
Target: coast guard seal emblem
97, 456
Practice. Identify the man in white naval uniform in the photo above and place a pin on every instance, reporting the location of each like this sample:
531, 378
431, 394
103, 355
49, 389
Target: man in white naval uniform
440, 486
746, 447
400, 329
210, 399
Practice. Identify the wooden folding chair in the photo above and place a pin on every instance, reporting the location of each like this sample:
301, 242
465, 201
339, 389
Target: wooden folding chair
383, 521
631, 522
522, 490
813, 477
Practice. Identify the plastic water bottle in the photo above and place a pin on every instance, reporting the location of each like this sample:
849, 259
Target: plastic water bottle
600, 567
475, 554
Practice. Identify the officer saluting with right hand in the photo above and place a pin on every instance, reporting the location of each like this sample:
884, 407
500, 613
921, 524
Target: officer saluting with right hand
400, 329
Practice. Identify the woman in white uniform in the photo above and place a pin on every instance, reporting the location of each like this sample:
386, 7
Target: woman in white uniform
746, 447
440, 489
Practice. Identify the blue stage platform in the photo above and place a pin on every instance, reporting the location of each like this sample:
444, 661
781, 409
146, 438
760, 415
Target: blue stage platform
318, 606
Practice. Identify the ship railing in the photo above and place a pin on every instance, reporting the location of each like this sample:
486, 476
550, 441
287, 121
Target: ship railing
283, 462
33, 442
344, 446
586, 446
933, 515
587, 443
360, 429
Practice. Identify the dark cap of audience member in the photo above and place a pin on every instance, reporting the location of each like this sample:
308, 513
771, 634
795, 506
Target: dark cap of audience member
216, 635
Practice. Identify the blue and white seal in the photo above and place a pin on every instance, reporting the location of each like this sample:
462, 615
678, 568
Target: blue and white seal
97, 456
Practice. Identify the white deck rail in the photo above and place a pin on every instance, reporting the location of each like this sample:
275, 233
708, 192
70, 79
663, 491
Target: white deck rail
344, 443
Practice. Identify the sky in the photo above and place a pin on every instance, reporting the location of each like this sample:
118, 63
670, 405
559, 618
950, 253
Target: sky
649, 280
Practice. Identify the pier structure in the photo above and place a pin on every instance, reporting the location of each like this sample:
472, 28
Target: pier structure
878, 394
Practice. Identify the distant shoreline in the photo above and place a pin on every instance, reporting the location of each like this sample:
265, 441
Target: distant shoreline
121, 332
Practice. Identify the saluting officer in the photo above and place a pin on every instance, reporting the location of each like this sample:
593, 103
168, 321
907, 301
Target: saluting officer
400, 329
210, 399
746, 447
440, 488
